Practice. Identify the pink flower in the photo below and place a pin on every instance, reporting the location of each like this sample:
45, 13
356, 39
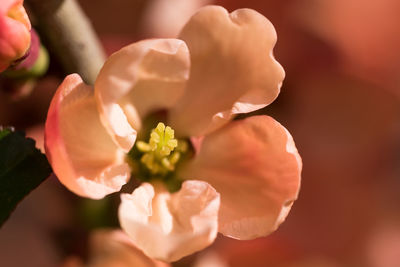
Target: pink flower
239, 178
15, 34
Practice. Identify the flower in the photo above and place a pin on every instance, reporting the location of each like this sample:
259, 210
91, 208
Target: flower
15, 36
204, 173
165, 18
367, 41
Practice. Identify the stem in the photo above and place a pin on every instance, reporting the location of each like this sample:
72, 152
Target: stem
69, 34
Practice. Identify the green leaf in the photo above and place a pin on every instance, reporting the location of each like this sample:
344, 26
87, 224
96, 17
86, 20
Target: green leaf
4, 132
22, 168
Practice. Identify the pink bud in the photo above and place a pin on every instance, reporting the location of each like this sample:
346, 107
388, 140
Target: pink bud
15, 34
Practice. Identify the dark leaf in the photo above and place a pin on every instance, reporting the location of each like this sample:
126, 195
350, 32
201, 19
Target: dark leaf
22, 168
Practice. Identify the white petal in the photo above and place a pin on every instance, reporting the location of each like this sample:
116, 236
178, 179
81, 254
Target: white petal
232, 69
170, 226
140, 78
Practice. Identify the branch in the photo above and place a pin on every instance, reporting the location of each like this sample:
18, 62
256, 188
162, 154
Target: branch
69, 34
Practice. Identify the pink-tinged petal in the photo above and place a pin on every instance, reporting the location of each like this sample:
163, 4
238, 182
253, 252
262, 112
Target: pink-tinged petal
15, 34
170, 226
254, 165
109, 248
232, 69
80, 151
138, 79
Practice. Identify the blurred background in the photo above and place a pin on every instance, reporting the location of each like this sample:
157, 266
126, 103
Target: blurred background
340, 100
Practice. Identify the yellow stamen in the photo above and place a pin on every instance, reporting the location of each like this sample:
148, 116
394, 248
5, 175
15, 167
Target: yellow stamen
163, 151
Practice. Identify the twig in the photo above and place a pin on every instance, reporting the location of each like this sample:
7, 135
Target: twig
69, 35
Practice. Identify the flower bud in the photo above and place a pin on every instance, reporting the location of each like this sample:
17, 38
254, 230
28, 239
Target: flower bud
15, 34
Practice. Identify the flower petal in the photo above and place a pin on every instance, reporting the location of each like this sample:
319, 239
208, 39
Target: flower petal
115, 248
140, 78
254, 165
81, 153
170, 226
232, 69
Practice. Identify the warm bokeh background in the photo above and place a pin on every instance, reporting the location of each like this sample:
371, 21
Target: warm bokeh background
340, 100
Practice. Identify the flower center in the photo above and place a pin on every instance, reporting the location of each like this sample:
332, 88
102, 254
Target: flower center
158, 158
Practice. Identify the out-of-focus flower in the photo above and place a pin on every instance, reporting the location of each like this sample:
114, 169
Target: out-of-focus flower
15, 34
274, 251
367, 33
165, 18
383, 246
210, 259
112, 248
238, 178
